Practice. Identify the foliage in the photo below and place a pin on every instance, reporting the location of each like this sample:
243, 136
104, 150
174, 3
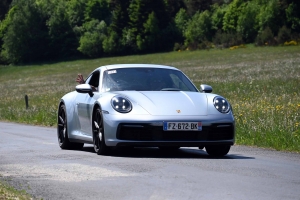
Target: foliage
55, 29
26, 34
4, 8
269, 16
198, 29
194, 6
247, 23
284, 35
231, 16
266, 37
225, 40
218, 16
95, 33
293, 15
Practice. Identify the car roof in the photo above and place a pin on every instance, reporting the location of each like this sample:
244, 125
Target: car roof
118, 66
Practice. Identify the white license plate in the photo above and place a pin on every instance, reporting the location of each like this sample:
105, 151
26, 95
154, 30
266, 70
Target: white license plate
182, 126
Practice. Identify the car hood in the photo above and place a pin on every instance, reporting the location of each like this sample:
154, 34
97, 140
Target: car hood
169, 102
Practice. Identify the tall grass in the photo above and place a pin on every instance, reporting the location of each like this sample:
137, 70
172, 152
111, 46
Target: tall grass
262, 84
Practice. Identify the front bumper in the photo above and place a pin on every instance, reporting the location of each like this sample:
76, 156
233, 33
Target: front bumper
148, 132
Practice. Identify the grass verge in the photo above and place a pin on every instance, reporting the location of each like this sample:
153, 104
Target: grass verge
261, 83
9, 193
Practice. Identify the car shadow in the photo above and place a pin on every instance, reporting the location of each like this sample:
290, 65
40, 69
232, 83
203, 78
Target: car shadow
152, 152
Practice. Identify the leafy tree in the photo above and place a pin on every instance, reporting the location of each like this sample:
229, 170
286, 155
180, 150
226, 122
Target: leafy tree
95, 32
181, 20
139, 12
173, 6
231, 16
4, 8
218, 13
26, 37
293, 15
269, 16
111, 44
97, 9
152, 33
194, 6
75, 11
63, 41
119, 18
246, 23
198, 29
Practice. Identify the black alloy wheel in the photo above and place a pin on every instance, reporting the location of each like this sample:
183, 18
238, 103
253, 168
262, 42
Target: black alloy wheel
98, 133
62, 131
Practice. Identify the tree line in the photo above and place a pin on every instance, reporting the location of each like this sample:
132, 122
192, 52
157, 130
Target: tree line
44, 30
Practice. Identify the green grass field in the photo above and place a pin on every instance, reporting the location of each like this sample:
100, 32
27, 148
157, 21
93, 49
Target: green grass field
261, 83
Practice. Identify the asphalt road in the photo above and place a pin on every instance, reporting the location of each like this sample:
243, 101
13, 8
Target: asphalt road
31, 159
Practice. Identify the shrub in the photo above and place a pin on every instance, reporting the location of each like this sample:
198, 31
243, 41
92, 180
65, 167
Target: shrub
266, 37
284, 35
225, 40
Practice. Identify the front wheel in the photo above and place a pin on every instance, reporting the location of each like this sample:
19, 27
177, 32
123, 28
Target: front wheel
98, 133
62, 131
217, 150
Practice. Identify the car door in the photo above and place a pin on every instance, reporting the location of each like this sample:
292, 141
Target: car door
85, 104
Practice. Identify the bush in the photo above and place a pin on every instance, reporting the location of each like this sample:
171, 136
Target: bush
266, 37
225, 40
284, 35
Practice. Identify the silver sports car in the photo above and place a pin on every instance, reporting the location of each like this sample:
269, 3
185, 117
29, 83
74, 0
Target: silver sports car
143, 105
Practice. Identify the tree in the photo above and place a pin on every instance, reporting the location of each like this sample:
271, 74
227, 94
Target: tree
4, 8
293, 15
198, 29
231, 16
75, 12
269, 16
139, 12
217, 17
26, 38
91, 41
181, 20
63, 41
97, 9
247, 24
194, 6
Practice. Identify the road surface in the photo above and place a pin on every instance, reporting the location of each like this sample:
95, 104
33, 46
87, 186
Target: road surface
31, 159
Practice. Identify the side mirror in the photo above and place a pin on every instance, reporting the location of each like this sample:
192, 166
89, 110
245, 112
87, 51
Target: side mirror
205, 88
85, 88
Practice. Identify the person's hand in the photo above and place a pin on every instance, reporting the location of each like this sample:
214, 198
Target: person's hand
80, 79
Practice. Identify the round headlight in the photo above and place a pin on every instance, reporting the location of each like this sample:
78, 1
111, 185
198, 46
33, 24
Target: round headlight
121, 104
221, 104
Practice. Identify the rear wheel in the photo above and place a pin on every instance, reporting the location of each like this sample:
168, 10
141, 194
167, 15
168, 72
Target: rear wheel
217, 150
62, 131
98, 133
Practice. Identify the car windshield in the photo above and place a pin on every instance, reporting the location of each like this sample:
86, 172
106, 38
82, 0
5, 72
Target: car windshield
146, 79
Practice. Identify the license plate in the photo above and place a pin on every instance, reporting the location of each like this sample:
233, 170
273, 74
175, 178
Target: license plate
182, 126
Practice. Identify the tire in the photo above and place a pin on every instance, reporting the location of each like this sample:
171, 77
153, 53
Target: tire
98, 133
62, 131
217, 150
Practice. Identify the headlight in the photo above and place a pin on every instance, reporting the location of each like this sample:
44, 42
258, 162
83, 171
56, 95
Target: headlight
221, 104
121, 104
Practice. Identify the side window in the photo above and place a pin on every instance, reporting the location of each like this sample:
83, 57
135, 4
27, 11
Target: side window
93, 79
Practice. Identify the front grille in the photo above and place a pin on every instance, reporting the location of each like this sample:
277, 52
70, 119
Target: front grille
146, 132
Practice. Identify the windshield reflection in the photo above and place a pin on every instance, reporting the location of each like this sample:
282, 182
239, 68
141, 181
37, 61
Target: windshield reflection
146, 79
